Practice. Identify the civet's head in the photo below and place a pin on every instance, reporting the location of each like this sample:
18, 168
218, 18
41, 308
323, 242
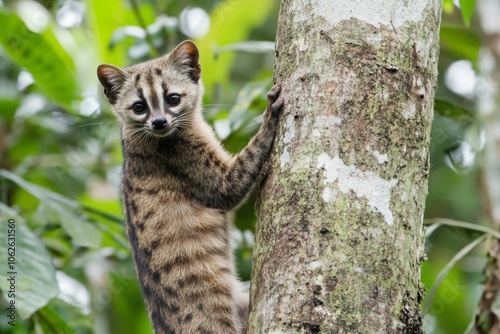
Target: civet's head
156, 97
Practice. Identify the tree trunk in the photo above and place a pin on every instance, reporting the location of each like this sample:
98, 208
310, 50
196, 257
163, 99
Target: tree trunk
488, 99
339, 238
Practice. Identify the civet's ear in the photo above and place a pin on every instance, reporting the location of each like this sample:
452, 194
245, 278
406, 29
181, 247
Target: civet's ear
187, 57
112, 79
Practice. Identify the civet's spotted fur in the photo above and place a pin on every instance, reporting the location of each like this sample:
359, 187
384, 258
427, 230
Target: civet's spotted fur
179, 187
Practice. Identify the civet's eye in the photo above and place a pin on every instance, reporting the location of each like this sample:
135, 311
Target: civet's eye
173, 99
139, 108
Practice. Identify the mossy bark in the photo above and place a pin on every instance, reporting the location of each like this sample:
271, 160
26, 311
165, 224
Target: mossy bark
488, 100
339, 237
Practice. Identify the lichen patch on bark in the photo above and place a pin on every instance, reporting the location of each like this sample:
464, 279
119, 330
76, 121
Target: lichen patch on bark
375, 12
364, 184
381, 158
287, 139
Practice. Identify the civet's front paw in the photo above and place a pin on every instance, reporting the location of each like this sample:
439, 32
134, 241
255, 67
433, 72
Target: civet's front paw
274, 101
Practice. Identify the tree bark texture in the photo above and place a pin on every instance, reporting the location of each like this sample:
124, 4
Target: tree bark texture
339, 238
488, 98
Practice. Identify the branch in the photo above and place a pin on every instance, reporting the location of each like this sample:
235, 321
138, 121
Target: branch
444, 272
469, 226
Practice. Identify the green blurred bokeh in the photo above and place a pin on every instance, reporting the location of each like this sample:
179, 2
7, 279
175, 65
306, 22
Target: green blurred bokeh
60, 157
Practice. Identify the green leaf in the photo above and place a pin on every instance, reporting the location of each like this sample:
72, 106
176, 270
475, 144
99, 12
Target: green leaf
8, 107
246, 217
63, 209
243, 257
61, 317
104, 214
442, 274
233, 143
452, 111
56, 241
105, 17
35, 280
232, 21
240, 113
82, 232
42, 56
460, 43
467, 7
40, 193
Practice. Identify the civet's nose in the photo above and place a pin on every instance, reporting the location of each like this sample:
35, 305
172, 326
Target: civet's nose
159, 123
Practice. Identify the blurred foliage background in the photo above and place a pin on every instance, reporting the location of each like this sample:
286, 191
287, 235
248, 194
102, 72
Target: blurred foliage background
60, 155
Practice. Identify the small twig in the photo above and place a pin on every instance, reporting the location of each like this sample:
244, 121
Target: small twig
469, 226
149, 39
444, 272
